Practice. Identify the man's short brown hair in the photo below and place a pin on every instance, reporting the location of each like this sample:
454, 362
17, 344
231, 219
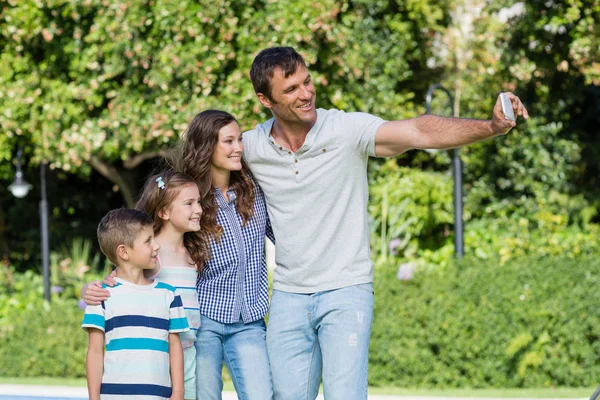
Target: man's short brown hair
120, 227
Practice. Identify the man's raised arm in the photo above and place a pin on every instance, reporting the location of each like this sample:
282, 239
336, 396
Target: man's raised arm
434, 132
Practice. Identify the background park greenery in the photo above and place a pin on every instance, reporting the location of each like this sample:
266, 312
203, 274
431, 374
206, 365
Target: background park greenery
100, 89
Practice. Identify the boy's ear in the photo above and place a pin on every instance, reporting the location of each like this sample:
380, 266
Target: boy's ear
264, 100
163, 214
122, 252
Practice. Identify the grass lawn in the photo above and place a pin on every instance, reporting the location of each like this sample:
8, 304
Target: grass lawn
227, 385
44, 381
572, 393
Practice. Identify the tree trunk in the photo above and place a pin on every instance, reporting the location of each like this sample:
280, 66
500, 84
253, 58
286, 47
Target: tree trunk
125, 177
114, 175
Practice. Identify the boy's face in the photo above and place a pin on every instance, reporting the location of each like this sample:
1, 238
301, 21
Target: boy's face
144, 252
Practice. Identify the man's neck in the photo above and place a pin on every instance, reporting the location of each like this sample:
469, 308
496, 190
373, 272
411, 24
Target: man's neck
292, 136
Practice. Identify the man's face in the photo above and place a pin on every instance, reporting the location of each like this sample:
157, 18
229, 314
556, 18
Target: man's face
292, 98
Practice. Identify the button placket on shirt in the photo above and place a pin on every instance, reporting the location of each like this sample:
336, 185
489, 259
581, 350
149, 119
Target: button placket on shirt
294, 161
235, 225
295, 165
216, 293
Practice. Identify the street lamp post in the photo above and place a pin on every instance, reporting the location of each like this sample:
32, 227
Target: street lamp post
20, 188
459, 245
44, 226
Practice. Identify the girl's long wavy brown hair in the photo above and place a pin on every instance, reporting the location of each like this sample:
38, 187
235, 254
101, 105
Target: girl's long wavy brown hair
194, 158
153, 200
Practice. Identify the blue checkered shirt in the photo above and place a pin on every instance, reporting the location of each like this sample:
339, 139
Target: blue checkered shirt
234, 283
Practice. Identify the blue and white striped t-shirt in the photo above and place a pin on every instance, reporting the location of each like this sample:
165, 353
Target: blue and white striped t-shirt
136, 321
183, 279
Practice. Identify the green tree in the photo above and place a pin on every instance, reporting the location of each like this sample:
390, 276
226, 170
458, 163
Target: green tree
109, 84
538, 51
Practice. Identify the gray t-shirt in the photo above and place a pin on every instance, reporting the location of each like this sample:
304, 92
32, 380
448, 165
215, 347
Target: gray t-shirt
317, 200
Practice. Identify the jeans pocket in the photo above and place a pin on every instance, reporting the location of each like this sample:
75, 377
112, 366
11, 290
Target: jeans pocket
260, 324
365, 287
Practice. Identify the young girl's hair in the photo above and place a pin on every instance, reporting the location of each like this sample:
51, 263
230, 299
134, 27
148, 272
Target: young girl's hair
158, 193
194, 158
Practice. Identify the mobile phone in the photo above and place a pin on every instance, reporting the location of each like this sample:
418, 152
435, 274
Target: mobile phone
507, 108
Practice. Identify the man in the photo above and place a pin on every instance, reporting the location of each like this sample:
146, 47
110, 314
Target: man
312, 166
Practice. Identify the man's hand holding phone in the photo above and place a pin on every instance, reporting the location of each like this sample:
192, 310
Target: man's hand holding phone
507, 108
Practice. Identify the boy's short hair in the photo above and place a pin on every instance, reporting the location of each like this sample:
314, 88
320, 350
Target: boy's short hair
263, 67
120, 227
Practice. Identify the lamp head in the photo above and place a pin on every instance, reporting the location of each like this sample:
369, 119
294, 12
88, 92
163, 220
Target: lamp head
20, 187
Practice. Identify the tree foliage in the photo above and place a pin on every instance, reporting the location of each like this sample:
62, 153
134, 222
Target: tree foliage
544, 52
108, 84
103, 86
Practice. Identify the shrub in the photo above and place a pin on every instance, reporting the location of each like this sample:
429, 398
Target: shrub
410, 209
38, 338
531, 322
545, 234
44, 340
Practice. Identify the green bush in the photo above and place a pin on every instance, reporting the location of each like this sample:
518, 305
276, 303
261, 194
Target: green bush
531, 322
412, 219
408, 207
44, 340
39, 338
528, 322
544, 234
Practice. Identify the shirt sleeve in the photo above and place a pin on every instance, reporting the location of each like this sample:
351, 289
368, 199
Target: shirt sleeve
260, 196
362, 128
93, 318
248, 139
177, 319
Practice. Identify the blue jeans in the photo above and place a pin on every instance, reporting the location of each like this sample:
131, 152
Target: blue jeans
324, 333
244, 350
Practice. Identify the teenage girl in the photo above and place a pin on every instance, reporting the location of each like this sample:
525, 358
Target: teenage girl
233, 285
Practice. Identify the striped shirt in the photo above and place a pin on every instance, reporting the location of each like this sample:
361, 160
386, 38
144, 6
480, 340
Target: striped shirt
136, 321
233, 284
183, 279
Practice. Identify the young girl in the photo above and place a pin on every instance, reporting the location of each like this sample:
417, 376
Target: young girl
232, 286
173, 201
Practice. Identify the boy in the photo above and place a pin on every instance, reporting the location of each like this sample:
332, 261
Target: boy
139, 323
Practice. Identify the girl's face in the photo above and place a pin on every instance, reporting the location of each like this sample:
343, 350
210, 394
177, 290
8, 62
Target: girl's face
184, 212
228, 151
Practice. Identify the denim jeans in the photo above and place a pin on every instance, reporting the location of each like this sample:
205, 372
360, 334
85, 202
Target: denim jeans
243, 348
325, 333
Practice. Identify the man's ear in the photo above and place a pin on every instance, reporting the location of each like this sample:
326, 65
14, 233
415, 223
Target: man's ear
264, 100
122, 252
